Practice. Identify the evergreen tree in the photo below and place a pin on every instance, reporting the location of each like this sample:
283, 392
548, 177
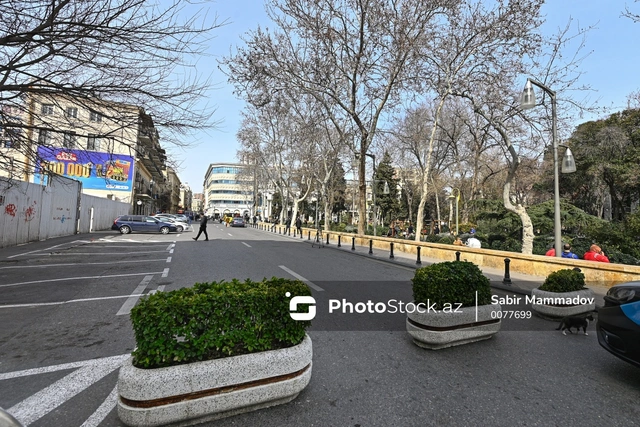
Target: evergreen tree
388, 204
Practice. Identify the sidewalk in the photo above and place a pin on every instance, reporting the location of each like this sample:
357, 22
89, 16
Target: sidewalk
520, 283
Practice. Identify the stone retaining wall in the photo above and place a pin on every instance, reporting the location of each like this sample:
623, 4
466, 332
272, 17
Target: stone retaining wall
596, 273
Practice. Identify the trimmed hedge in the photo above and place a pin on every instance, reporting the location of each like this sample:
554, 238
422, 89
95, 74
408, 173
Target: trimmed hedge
214, 320
564, 281
451, 282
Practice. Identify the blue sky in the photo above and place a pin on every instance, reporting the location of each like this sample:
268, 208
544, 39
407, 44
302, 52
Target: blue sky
611, 69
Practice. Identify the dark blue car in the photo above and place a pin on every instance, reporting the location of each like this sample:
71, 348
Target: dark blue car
618, 324
142, 224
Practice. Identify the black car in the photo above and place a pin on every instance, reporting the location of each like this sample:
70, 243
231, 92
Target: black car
618, 324
143, 224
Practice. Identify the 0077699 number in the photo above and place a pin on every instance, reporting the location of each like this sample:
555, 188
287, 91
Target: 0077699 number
511, 314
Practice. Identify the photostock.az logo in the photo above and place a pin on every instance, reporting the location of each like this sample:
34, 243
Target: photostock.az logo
293, 307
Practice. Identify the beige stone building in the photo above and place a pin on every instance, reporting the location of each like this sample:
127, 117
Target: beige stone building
113, 149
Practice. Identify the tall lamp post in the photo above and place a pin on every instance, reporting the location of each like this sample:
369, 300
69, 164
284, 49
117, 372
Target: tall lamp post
527, 101
457, 200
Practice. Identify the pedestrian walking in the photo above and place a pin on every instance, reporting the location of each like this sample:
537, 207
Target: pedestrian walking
287, 225
203, 227
299, 226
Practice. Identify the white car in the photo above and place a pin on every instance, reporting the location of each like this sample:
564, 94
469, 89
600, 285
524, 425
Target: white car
180, 225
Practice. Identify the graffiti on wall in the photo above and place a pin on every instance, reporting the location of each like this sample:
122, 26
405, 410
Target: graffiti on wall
11, 210
30, 212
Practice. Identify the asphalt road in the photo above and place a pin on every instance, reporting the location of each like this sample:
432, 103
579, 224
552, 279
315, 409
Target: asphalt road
64, 307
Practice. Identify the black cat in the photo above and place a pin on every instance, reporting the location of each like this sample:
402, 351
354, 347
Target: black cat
575, 322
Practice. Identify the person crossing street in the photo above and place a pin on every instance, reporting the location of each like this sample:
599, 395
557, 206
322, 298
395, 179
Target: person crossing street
203, 227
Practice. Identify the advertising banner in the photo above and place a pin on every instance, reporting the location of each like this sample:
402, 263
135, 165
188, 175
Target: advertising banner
96, 171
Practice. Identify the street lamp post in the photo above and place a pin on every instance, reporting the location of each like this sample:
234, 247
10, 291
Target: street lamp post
528, 100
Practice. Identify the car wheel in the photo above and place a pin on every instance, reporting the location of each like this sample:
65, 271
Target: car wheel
125, 229
179, 229
164, 230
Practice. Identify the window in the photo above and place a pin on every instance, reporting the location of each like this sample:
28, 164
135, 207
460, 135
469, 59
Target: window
94, 116
93, 143
69, 140
46, 109
11, 138
72, 112
44, 137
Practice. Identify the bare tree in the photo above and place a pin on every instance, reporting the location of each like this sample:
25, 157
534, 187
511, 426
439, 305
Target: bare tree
103, 55
473, 46
351, 54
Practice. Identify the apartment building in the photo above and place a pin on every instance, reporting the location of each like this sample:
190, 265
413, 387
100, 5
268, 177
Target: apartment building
113, 149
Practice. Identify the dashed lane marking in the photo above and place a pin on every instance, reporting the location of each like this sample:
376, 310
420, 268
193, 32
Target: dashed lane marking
299, 277
133, 299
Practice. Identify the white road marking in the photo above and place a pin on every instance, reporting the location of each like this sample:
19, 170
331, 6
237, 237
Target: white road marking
299, 277
103, 410
247, 245
96, 245
171, 251
165, 273
104, 253
169, 259
46, 400
61, 367
133, 299
80, 278
26, 253
230, 234
171, 246
38, 304
160, 289
81, 263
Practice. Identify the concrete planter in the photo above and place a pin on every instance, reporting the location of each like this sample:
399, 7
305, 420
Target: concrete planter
441, 330
556, 311
203, 391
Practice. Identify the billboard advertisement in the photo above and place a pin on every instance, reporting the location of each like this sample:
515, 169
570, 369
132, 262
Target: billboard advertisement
96, 171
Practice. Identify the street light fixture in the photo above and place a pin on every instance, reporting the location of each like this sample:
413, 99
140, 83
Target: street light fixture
457, 200
527, 101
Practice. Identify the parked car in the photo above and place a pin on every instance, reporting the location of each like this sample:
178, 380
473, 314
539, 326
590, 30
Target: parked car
180, 225
618, 323
237, 222
143, 224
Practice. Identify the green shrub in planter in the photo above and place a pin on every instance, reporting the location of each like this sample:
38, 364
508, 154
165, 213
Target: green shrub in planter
564, 281
451, 282
217, 319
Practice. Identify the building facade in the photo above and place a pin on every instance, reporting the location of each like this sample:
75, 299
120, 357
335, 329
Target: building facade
228, 190
113, 149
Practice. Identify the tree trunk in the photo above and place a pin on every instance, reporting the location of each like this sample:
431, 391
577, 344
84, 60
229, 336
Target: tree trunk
425, 174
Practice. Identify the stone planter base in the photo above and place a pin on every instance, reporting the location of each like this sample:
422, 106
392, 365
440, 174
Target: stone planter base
198, 392
557, 311
441, 330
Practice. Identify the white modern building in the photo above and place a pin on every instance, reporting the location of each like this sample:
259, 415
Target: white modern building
228, 190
